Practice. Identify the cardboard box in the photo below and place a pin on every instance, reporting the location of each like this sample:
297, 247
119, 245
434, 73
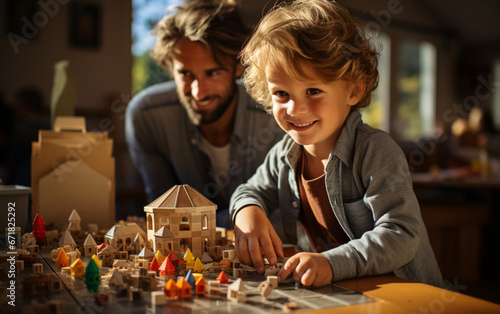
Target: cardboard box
73, 169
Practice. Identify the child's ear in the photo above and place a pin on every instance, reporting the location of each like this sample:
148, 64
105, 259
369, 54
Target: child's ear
356, 92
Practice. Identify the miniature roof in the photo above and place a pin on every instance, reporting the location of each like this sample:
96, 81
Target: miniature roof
116, 279
89, 240
146, 253
171, 285
181, 196
164, 233
67, 238
138, 238
167, 266
237, 285
108, 250
154, 265
206, 258
77, 263
38, 221
120, 263
130, 229
74, 216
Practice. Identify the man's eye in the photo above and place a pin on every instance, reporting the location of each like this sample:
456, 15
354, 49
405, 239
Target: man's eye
213, 73
185, 73
281, 93
313, 91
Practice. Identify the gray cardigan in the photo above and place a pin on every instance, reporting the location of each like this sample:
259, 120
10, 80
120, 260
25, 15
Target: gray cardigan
370, 191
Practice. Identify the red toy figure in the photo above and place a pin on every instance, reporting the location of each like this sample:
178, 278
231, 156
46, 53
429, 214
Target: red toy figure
39, 229
167, 268
223, 277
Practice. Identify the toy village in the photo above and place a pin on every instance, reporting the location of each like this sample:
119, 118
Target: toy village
177, 257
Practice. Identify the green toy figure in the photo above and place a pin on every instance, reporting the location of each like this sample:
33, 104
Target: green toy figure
92, 278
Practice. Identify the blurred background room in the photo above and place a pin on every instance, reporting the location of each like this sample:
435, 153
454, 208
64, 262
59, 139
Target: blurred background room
438, 97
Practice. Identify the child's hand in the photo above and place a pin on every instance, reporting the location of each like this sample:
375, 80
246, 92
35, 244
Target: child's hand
310, 269
254, 236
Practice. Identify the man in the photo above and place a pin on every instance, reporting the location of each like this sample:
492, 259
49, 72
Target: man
202, 129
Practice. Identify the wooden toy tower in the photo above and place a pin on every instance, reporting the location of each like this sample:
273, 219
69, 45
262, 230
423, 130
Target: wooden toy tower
187, 215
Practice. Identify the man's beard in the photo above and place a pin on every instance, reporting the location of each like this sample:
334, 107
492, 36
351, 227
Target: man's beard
199, 117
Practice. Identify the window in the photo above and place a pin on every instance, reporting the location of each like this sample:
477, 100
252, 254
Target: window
146, 13
205, 222
404, 102
416, 83
185, 224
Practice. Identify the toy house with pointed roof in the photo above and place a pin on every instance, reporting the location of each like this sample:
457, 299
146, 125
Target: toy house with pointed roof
122, 235
187, 219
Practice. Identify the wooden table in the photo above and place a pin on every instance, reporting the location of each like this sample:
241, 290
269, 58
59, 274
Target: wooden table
396, 295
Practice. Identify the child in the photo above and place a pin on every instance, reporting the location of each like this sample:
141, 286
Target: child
346, 183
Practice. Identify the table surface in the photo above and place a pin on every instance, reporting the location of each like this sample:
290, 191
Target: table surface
389, 294
396, 295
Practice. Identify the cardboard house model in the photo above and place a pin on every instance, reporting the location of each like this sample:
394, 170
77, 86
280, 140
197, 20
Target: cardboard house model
181, 218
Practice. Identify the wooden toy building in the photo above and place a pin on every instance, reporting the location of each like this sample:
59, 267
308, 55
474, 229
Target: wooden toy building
181, 218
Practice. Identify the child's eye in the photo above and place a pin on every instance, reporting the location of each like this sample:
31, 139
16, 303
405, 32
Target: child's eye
281, 93
313, 91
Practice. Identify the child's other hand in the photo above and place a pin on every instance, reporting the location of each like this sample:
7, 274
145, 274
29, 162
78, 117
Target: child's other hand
310, 269
254, 236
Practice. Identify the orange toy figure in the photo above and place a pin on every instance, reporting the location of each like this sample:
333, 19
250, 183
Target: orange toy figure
62, 259
39, 229
200, 286
185, 288
171, 290
222, 278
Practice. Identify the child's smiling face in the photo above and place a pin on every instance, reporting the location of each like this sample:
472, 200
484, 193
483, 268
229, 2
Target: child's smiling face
312, 112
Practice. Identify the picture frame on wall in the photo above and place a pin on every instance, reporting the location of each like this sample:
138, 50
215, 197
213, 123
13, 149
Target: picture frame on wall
84, 25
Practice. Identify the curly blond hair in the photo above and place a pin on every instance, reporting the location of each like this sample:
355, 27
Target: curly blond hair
216, 24
321, 33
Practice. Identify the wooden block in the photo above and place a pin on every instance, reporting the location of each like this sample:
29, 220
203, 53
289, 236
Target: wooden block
158, 298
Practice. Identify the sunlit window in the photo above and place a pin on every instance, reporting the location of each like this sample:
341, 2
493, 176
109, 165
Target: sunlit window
145, 15
415, 114
410, 113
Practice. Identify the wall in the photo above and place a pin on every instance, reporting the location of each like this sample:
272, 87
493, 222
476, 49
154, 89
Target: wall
101, 74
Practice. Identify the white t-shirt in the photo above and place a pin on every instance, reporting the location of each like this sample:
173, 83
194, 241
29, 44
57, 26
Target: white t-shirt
219, 158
